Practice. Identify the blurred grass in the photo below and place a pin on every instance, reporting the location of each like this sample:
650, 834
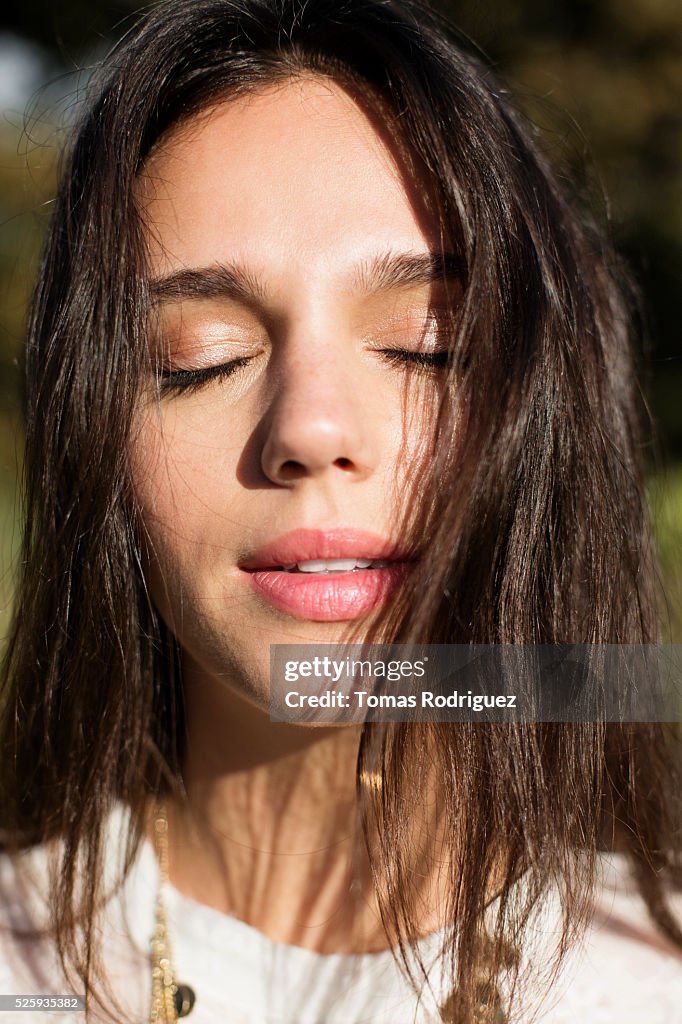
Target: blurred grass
10, 517
665, 498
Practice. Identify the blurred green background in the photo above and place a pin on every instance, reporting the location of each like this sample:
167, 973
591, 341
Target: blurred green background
602, 80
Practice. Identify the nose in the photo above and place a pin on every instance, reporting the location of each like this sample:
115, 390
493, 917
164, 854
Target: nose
319, 423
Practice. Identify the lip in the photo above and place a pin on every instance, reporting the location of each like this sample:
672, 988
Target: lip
306, 545
335, 596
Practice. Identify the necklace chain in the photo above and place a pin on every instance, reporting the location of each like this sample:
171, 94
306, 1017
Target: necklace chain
169, 1000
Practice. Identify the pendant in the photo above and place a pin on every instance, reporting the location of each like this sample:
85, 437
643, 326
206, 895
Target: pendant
184, 1000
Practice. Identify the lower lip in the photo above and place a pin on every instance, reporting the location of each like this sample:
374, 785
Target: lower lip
329, 597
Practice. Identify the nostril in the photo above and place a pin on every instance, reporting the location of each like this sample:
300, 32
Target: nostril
292, 469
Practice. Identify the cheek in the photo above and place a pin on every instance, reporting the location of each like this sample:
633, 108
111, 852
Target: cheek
415, 434
183, 484
181, 470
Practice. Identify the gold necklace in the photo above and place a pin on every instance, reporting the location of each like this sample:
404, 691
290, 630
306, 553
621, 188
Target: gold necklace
170, 1000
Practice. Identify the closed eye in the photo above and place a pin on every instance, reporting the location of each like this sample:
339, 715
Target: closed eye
426, 360
176, 381
185, 381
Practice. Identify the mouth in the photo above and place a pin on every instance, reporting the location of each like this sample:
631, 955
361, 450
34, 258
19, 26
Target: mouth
326, 576
327, 566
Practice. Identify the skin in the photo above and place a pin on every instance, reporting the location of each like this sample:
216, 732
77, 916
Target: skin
298, 186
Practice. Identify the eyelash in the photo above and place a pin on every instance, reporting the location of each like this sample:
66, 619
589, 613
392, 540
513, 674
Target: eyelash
176, 381
423, 360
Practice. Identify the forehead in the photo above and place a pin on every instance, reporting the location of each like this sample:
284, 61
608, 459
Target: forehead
299, 176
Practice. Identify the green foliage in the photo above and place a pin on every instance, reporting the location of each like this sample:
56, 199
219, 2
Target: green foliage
27, 183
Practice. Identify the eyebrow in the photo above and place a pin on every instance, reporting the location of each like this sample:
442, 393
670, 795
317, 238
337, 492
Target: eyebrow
399, 271
214, 282
231, 280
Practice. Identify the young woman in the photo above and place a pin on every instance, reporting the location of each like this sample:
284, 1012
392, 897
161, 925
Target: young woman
320, 351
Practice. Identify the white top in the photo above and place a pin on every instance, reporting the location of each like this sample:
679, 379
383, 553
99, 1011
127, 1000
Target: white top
620, 973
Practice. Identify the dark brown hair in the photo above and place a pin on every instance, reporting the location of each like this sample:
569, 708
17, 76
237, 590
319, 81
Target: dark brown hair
539, 531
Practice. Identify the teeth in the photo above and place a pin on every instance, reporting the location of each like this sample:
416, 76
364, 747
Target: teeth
334, 565
327, 565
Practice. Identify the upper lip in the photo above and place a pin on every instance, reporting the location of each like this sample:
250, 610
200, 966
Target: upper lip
308, 545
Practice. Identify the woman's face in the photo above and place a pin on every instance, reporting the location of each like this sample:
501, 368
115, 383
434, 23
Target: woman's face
297, 332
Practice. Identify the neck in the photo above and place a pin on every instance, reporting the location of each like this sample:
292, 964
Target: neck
269, 831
